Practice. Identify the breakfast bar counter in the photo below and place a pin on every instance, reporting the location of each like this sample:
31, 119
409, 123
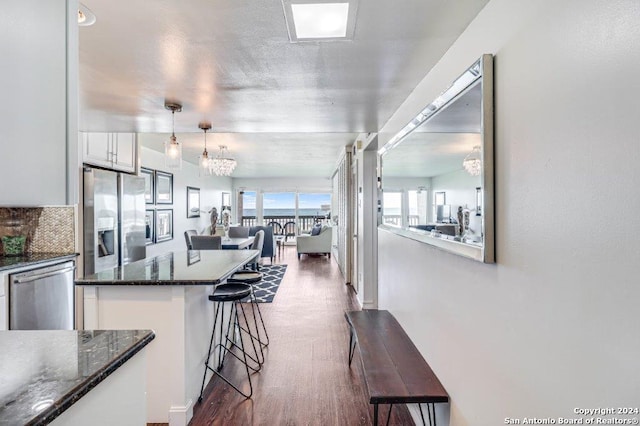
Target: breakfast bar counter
192, 267
168, 294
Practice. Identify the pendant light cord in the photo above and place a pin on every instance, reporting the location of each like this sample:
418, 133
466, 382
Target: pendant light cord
173, 122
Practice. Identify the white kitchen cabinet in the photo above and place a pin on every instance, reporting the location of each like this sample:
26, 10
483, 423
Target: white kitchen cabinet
117, 151
38, 164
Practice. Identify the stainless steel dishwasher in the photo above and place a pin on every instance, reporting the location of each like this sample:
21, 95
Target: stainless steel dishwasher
42, 298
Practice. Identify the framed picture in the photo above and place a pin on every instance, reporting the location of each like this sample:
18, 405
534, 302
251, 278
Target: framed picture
149, 185
193, 202
164, 187
149, 226
164, 225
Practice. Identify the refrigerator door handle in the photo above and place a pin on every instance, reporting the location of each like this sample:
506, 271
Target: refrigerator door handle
32, 278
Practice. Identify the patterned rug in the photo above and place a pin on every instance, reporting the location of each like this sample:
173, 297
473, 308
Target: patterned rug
265, 290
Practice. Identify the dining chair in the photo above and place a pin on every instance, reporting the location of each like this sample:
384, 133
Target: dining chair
289, 230
187, 237
239, 232
206, 242
258, 242
277, 227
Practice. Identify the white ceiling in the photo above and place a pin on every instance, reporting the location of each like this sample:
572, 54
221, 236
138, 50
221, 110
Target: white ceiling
231, 63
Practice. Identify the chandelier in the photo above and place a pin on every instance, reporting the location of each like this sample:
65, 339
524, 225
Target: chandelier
222, 164
472, 163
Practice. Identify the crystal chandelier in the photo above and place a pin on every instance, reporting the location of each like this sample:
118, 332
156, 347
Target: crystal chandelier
472, 163
222, 165
205, 161
173, 149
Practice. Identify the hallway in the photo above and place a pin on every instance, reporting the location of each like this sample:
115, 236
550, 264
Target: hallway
305, 379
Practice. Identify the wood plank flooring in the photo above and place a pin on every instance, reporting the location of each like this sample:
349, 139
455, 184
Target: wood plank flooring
306, 379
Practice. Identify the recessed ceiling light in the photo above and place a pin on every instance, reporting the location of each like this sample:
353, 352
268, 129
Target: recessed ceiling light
314, 20
85, 16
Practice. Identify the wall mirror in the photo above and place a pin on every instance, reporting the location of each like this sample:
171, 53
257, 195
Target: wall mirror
437, 172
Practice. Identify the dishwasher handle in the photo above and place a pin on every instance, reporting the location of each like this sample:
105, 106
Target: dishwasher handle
31, 278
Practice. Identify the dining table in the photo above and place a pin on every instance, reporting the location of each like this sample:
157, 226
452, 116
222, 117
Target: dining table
236, 243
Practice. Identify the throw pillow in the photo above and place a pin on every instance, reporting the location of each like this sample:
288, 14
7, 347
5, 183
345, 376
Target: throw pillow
316, 229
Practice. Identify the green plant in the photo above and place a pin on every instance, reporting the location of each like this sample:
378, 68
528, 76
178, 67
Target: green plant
13, 245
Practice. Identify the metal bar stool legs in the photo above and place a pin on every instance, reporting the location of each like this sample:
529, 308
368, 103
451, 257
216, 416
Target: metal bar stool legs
251, 277
226, 344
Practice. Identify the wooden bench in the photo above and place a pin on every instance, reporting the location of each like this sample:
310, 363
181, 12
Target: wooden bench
394, 370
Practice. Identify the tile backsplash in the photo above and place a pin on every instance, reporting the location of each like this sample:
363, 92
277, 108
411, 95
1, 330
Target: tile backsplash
48, 229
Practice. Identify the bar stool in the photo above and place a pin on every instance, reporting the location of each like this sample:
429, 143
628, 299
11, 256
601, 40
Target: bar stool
250, 278
234, 293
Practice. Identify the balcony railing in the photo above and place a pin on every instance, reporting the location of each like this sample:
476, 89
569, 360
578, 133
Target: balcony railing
304, 224
396, 220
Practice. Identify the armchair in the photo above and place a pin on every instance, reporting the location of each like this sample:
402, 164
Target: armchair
320, 244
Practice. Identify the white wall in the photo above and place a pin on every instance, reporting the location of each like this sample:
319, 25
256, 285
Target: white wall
553, 325
211, 188
38, 115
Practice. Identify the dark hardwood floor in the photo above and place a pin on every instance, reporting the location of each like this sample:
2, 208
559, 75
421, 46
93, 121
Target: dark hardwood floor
306, 379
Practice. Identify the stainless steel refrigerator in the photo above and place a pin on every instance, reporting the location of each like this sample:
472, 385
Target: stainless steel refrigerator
114, 219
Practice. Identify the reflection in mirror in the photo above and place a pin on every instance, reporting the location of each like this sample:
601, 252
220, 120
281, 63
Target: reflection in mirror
437, 172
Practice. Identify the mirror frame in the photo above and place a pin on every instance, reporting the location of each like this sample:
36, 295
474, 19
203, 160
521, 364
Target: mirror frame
481, 69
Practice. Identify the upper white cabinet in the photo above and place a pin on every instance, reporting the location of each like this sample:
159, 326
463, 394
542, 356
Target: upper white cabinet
117, 151
38, 80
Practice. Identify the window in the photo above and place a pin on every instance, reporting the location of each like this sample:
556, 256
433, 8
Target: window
417, 207
249, 204
392, 208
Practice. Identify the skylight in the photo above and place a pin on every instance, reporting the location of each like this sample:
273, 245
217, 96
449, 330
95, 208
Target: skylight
320, 21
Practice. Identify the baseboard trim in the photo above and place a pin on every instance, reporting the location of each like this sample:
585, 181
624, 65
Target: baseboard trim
180, 416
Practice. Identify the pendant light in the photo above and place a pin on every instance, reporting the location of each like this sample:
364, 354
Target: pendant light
205, 161
172, 148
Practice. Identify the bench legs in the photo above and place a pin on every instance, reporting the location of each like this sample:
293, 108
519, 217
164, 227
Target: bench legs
375, 414
431, 413
352, 345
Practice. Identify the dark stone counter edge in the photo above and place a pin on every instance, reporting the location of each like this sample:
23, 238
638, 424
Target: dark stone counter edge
64, 403
34, 259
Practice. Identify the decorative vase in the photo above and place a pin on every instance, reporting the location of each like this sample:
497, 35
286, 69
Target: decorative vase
226, 221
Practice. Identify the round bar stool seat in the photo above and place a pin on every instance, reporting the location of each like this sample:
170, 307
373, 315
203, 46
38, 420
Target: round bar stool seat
247, 277
230, 292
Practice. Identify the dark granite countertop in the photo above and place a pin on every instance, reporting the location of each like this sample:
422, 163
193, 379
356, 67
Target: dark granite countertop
11, 262
45, 372
195, 267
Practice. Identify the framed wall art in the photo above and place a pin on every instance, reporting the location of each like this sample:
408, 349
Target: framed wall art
193, 202
149, 185
164, 225
164, 187
149, 226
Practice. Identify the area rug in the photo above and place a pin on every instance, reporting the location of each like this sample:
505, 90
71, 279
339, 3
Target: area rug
265, 290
